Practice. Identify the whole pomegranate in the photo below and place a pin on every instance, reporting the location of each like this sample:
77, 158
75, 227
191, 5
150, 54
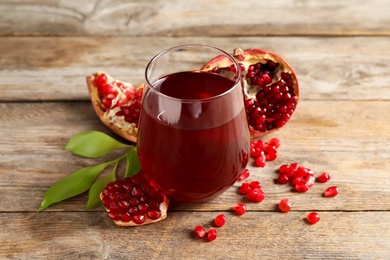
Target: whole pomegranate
116, 103
270, 86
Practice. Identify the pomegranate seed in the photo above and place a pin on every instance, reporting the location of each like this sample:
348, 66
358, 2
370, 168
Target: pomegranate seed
220, 220
313, 217
244, 175
270, 156
285, 169
244, 189
283, 178
324, 177
256, 195
309, 179
254, 185
101, 80
113, 215
275, 142
331, 191
260, 161
284, 205
139, 218
199, 231
211, 234
301, 187
240, 208
154, 214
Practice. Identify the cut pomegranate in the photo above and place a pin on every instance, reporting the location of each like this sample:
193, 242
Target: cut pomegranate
313, 217
116, 103
220, 220
284, 205
331, 191
324, 177
211, 234
240, 208
270, 86
134, 201
199, 231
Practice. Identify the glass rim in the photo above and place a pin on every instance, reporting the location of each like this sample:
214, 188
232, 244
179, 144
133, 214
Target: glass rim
193, 46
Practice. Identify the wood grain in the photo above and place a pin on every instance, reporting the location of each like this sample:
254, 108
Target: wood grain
341, 53
54, 68
346, 138
265, 235
194, 17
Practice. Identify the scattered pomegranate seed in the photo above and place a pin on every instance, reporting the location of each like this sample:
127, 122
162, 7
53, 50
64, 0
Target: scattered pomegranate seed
211, 234
283, 178
240, 208
199, 231
331, 191
275, 142
324, 177
244, 189
220, 220
256, 195
313, 217
244, 175
301, 187
284, 205
260, 160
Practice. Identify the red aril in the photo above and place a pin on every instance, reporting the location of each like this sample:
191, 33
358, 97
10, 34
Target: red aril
284, 205
240, 208
211, 234
270, 86
324, 177
134, 201
331, 191
313, 217
256, 195
199, 231
116, 103
220, 220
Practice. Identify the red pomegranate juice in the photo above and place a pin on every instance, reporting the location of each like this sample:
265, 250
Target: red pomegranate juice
193, 151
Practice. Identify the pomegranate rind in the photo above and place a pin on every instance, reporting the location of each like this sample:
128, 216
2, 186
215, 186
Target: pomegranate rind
247, 58
118, 125
163, 208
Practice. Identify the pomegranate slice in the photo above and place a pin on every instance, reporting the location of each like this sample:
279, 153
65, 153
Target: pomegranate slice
116, 103
270, 86
134, 201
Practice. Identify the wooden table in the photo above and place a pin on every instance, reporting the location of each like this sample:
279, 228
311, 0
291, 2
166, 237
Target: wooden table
341, 53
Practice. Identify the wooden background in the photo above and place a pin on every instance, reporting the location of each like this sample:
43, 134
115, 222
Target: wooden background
341, 53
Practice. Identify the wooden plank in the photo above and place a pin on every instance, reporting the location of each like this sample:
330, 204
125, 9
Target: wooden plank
321, 136
54, 68
195, 17
265, 235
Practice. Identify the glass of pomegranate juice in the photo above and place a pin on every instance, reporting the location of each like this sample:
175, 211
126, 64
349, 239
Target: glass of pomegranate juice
193, 139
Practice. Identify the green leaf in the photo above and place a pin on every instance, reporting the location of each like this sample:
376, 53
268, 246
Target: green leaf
133, 165
98, 186
93, 144
72, 185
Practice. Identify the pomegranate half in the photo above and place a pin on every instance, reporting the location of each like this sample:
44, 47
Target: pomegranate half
134, 201
270, 86
116, 103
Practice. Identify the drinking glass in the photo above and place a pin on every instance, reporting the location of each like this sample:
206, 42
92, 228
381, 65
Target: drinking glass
193, 139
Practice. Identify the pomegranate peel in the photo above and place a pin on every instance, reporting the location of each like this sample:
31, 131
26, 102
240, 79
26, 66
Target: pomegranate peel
116, 103
270, 86
134, 201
